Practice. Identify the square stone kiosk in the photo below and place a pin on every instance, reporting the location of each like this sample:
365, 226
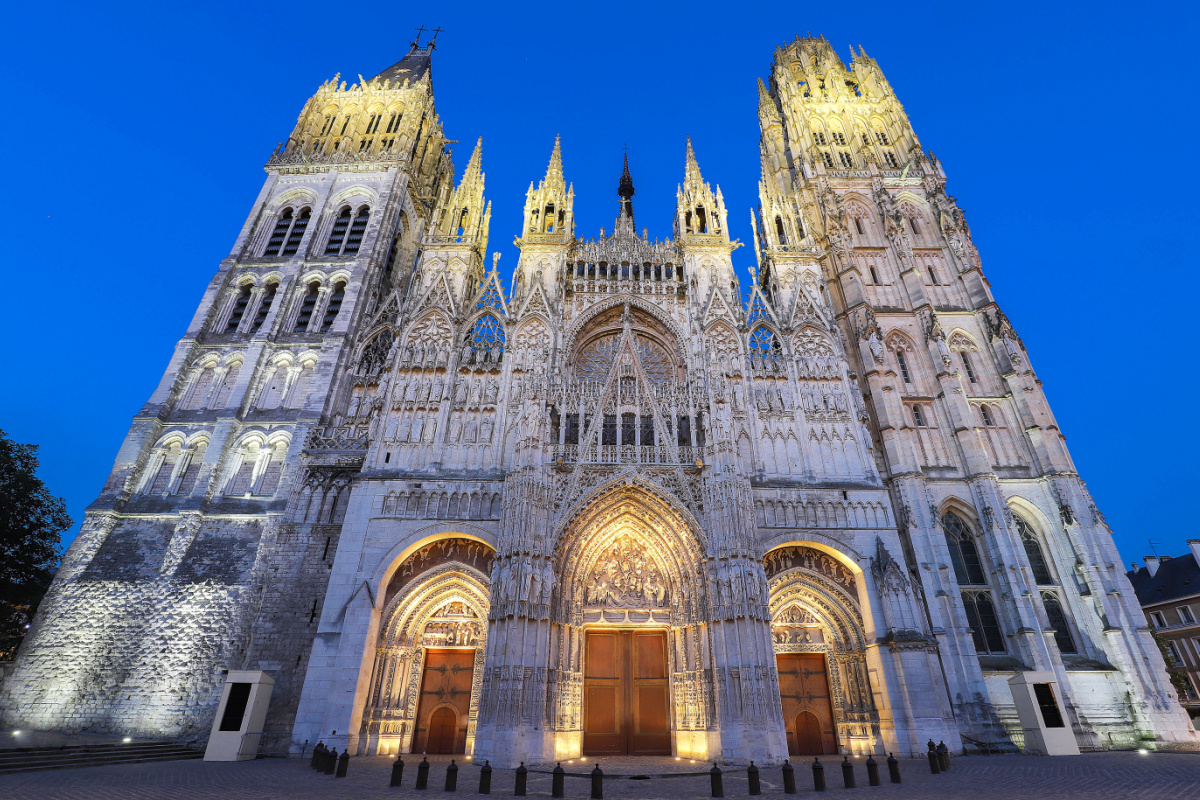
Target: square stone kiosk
238, 726
1047, 731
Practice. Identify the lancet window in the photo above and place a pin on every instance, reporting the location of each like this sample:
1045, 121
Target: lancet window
347, 234
968, 569
289, 231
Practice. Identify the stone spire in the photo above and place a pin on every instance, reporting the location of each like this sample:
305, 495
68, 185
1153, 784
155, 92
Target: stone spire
554, 172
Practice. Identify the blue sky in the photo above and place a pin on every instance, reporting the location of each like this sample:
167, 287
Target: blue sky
136, 136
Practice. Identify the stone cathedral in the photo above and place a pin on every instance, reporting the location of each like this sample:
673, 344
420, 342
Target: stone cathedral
625, 505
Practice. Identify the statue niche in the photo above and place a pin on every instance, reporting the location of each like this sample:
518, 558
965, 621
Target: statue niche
625, 576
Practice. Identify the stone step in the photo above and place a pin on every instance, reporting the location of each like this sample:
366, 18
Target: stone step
34, 759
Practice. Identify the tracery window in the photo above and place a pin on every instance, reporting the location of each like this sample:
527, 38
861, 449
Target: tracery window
596, 358
1058, 621
486, 339
968, 569
1033, 550
985, 625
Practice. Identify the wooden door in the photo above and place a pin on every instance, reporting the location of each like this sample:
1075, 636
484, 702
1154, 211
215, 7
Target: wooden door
626, 705
445, 701
807, 709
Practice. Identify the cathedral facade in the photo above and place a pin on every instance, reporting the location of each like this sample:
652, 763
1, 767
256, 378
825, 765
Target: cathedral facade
624, 506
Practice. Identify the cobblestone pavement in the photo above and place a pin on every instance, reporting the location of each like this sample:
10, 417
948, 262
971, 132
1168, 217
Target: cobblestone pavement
1099, 775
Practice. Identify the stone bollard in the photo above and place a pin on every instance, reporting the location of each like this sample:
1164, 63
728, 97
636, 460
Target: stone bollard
556, 787
597, 783
452, 777
485, 778
422, 774
893, 768
397, 772
316, 756
943, 756
934, 762
789, 778
848, 773
752, 777
343, 764
718, 783
522, 776
331, 761
818, 775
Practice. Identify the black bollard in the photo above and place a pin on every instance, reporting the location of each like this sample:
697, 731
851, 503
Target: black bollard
934, 765
522, 775
331, 761
752, 777
397, 772
556, 786
818, 775
597, 783
848, 773
873, 772
789, 778
718, 783
893, 768
343, 764
452, 777
316, 756
943, 756
422, 774
485, 778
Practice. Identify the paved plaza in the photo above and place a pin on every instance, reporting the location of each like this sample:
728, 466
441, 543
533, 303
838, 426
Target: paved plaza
1099, 775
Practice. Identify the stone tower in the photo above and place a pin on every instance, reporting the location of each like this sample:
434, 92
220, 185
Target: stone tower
623, 508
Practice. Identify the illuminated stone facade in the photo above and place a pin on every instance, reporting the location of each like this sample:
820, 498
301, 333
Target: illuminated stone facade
367, 454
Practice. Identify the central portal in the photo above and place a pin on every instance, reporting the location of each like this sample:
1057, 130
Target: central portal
626, 709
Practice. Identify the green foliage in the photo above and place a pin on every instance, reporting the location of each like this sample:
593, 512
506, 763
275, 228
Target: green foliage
1179, 678
31, 522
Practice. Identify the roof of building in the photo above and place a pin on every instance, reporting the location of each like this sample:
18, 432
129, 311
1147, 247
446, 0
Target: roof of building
1175, 577
413, 66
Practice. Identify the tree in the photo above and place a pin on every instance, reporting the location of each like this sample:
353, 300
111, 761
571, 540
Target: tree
31, 523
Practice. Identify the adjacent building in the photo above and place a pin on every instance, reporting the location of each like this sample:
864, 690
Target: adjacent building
1169, 591
625, 504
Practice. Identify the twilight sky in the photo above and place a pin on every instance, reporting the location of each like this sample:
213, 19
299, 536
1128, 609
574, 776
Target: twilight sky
136, 137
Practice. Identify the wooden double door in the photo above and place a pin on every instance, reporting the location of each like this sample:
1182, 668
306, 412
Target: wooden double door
807, 709
626, 696
445, 701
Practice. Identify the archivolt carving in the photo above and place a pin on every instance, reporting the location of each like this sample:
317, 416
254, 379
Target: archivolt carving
635, 303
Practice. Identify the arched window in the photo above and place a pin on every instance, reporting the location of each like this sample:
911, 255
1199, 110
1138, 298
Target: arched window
239, 308
279, 235
1033, 550
195, 457
334, 306
903, 366
1058, 621
297, 232
357, 230
166, 468
986, 416
966, 359
347, 234
486, 340
264, 306
918, 417
307, 304
968, 569
197, 395
985, 626
764, 348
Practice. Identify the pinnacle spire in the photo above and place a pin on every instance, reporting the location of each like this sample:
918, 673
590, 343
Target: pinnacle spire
691, 170
554, 172
474, 170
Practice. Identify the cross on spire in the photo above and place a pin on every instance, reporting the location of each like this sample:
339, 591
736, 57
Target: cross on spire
432, 43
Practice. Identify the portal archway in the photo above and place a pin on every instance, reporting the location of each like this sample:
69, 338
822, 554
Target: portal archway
431, 642
819, 641
627, 624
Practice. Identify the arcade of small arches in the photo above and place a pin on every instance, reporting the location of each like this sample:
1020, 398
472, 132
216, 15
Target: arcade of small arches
628, 573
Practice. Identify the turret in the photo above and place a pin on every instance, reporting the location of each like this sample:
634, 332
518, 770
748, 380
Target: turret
702, 233
460, 228
549, 209
549, 231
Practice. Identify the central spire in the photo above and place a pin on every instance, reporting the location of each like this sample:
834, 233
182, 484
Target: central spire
625, 190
